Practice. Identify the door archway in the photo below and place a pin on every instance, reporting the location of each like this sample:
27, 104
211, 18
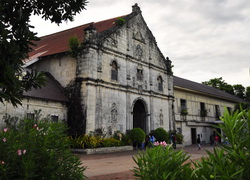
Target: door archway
139, 115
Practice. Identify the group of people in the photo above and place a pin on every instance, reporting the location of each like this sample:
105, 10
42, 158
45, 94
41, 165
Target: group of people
150, 140
214, 140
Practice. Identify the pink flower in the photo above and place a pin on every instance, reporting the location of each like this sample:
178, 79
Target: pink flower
19, 152
36, 127
156, 143
2, 162
5, 129
162, 143
24, 151
4, 139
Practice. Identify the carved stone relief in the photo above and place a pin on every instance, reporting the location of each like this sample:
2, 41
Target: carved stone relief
112, 42
138, 52
133, 83
161, 118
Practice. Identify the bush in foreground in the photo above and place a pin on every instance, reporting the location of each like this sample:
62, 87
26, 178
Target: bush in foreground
228, 161
38, 151
162, 163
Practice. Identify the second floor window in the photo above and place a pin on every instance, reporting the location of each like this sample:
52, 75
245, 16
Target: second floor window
184, 107
114, 71
217, 111
160, 83
139, 75
203, 112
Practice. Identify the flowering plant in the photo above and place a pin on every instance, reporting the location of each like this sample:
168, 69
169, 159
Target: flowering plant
38, 150
162, 143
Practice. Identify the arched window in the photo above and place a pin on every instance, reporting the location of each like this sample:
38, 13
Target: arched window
114, 71
160, 83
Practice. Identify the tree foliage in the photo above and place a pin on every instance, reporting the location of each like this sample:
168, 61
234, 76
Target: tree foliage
219, 83
17, 38
237, 90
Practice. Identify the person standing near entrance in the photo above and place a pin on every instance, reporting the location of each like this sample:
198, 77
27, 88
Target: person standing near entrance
199, 142
216, 140
173, 140
151, 139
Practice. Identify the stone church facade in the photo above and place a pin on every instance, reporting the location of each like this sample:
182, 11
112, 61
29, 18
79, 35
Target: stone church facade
118, 80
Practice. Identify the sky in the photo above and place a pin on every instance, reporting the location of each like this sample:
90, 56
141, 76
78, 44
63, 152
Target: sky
204, 39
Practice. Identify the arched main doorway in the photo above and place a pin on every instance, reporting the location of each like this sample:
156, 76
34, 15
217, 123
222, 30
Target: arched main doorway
139, 115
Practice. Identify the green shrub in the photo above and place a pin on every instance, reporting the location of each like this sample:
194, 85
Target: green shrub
76, 143
126, 140
229, 161
110, 142
161, 135
162, 164
38, 151
179, 138
137, 136
91, 141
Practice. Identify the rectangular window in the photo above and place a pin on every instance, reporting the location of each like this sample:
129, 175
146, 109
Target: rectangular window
114, 74
30, 116
54, 118
229, 109
183, 104
217, 112
139, 75
203, 111
184, 107
160, 86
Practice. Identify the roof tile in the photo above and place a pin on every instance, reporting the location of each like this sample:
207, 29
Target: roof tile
58, 42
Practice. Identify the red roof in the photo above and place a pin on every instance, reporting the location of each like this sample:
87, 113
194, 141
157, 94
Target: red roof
58, 42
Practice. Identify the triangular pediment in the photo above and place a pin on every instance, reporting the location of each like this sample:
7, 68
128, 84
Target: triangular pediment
137, 36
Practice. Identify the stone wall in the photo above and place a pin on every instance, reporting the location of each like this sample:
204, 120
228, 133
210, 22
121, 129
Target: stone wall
61, 67
49, 108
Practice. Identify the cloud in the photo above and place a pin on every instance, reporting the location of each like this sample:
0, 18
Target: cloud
204, 39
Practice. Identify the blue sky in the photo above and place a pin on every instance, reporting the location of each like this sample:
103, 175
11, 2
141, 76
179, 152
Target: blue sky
205, 39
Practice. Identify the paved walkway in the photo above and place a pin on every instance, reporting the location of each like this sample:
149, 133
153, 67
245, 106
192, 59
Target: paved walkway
118, 165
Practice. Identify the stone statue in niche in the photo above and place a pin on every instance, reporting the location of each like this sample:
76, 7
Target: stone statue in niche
114, 116
133, 82
138, 52
140, 89
161, 118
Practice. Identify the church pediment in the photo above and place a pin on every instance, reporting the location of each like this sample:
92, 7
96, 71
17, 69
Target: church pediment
137, 36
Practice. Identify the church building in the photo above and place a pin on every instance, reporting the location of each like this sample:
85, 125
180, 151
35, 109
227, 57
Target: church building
114, 75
